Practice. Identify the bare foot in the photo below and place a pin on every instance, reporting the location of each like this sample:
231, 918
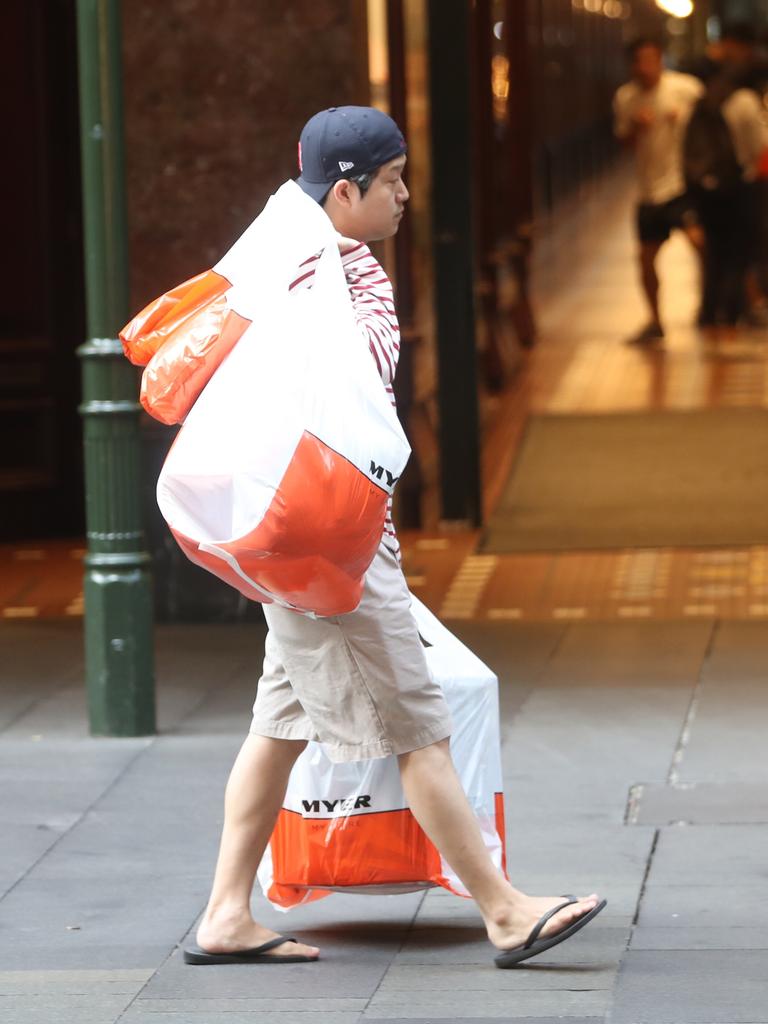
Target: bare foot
233, 932
511, 928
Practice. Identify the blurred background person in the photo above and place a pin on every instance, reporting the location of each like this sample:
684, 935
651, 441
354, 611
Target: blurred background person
651, 112
736, 48
724, 144
737, 53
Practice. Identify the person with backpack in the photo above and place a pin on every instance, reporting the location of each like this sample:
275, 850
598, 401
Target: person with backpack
725, 139
650, 114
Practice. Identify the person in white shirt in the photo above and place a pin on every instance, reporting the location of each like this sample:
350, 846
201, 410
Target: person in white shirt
650, 114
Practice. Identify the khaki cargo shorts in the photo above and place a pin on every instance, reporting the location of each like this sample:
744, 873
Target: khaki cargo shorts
358, 683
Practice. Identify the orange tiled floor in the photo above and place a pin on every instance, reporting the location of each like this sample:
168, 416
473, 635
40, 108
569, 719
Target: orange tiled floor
588, 303
41, 580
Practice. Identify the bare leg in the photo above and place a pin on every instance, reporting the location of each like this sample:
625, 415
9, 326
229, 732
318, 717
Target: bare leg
438, 803
254, 795
648, 253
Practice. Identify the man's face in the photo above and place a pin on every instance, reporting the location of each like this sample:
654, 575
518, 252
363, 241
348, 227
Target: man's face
378, 213
647, 65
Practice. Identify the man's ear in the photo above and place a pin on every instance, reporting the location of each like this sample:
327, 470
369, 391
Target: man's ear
343, 192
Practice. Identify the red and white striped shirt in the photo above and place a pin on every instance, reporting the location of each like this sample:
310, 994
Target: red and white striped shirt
373, 302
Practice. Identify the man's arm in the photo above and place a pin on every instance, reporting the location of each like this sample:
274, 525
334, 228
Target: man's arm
628, 122
374, 306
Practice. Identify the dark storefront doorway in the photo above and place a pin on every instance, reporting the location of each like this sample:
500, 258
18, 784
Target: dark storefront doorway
41, 288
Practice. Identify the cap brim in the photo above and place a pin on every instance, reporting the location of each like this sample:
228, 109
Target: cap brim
318, 190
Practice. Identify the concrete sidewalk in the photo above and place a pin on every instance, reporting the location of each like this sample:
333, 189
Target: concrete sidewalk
634, 758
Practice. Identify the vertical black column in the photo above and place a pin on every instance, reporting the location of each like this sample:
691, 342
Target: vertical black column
451, 139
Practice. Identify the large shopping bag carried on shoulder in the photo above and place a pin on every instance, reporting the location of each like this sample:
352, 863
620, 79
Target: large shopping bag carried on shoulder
279, 479
347, 827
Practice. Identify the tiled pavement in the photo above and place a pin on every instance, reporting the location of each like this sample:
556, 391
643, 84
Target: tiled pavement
634, 763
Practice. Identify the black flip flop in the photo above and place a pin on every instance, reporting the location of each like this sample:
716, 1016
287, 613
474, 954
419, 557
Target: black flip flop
534, 945
258, 955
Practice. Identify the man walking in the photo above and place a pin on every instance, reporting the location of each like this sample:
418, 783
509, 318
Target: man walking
650, 114
359, 682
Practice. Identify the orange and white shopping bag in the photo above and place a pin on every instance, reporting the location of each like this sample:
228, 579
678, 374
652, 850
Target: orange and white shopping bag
181, 338
279, 479
347, 827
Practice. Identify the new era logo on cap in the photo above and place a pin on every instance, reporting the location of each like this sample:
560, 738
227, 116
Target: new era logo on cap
342, 139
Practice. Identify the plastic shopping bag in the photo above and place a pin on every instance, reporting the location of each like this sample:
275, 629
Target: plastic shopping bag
182, 338
347, 827
279, 478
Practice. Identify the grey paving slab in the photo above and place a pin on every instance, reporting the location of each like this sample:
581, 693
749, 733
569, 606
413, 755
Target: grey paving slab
56, 1006
517, 654
562, 735
701, 803
47, 911
205, 1015
753, 936
174, 845
701, 987
73, 952
41, 672
739, 652
92, 996
727, 740
481, 1002
61, 982
179, 648
36, 790
315, 1004
198, 685
224, 712
177, 755
18, 698
711, 855
23, 846
494, 1020
445, 944
714, 907
583, 799
467, 977
38, 656
82, 1012
568, 855
61, 712
648, 654
346, 973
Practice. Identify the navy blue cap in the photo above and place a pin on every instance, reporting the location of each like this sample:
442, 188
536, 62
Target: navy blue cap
343, 142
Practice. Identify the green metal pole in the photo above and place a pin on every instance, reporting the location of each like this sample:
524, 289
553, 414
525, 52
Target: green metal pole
118, 597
